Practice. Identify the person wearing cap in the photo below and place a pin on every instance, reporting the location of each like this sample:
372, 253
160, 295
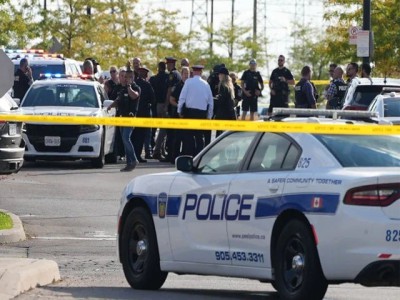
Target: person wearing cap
195, 102
279, 82
252, 84
177, 135
173, 78
225, 101
22, 79
147, 99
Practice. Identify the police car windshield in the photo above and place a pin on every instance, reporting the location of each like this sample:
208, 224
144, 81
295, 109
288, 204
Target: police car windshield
61, 95
364, 94
37, 70
363, 151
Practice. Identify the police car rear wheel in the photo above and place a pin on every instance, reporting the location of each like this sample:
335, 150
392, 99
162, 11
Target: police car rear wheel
139, 252
298, 269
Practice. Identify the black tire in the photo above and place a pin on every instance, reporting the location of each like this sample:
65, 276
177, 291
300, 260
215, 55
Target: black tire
298, 272
142, 270
100, 161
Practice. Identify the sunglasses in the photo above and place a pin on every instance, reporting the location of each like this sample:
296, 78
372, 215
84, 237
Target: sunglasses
113, 71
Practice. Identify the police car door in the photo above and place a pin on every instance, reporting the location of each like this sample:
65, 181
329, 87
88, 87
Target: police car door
198, 233
259, 188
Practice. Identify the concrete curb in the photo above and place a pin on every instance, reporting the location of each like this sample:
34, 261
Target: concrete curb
18, 275
16, 234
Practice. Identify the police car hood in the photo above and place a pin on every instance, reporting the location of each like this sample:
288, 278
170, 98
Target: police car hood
60, 111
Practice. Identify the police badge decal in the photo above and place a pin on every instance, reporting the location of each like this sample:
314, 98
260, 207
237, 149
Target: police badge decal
162, 205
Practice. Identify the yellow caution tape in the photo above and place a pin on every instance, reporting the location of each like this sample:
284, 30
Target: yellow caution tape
358, 129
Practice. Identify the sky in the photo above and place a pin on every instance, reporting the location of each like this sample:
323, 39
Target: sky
278, 19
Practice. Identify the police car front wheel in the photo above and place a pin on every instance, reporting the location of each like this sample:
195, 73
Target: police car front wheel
297, 266
139, 252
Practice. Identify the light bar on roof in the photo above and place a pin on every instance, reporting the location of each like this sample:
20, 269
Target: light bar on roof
52, 75
334, 114
33, 51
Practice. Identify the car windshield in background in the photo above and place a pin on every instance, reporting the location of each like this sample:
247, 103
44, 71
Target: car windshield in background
37, 70
61, 95
364, 94
392, 107
363, 151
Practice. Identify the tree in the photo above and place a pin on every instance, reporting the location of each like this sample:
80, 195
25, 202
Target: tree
385, 21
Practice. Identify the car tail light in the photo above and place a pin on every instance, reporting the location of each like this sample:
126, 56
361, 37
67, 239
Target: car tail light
373, 195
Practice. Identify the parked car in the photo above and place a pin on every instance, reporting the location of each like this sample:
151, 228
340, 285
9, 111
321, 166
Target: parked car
42, 63
362, 91
387, 105
299, 210
68, 97
12, 145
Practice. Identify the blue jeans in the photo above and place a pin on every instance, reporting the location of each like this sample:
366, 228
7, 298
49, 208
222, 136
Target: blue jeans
126, 133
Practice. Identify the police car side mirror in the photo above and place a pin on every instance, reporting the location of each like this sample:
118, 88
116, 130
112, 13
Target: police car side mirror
184, 163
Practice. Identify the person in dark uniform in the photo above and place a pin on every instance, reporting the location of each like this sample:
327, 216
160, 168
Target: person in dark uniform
252, 85
127, 106
110, 86
136, 63
224, 108
238, 93
213, 81
173, 78
336, 90
279, 82
159, 82
147, 99
195, 102
22, 79
178, 135
304, 90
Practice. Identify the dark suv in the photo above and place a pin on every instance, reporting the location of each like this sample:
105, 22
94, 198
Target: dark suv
362, 91
12, 146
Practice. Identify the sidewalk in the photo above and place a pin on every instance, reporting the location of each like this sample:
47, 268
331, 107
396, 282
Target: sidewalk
18, 275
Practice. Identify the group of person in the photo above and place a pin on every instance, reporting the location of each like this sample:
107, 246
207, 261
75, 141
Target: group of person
176, 94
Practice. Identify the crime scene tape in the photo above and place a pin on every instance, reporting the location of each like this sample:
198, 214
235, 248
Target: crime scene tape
316, 128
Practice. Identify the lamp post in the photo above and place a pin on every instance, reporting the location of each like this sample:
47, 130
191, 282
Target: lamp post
367, 26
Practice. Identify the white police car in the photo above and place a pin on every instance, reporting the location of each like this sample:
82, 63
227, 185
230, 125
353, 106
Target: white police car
298, 210
68, 97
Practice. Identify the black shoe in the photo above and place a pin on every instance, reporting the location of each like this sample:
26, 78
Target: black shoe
157, 156
141, 160
130, 167
148, 156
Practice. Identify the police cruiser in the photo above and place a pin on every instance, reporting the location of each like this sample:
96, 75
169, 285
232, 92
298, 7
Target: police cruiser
298, 210
58, 95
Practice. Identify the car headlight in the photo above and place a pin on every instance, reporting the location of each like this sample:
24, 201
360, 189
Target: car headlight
89, 128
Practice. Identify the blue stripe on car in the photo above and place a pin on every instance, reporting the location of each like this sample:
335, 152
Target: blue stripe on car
151, 201
273, 206
173, 205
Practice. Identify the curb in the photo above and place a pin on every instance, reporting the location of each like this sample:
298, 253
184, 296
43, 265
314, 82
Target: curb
18, 275
16, 234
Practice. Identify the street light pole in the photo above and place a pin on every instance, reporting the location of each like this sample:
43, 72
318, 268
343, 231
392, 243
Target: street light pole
367, 26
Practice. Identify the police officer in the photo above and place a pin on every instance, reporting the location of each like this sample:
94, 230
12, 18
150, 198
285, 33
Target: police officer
195, 102
22, 79
147, 99
238, 92
252, 84
173, 78
336, 91
177, 134
111, 85
127, 106
279, 82
304, 90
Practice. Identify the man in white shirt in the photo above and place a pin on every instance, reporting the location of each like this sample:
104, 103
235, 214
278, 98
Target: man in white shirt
195, 102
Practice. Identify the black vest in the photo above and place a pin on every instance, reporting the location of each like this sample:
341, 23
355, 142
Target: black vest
127, 107
337, 101
300, 96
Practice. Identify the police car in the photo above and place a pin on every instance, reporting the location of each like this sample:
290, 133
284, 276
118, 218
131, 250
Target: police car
387, 105
57, 95
300, 211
